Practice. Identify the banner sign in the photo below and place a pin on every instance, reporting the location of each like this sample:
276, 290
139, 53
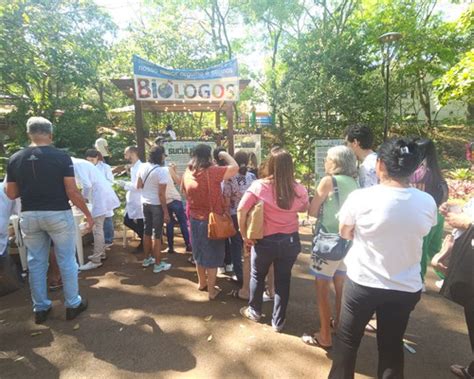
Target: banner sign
251, 143
179, 152
321, 151
217, 83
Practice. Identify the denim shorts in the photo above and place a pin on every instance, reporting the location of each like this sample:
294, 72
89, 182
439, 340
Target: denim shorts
153, 220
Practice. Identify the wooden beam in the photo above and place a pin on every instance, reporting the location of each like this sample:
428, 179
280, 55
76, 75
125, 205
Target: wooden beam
140, 133
230, 127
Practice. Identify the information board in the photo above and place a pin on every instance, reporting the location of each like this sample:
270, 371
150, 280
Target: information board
179, 152
321, 150
250, 143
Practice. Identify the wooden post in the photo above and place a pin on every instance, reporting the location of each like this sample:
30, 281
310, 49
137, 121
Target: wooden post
139, 130
230, 127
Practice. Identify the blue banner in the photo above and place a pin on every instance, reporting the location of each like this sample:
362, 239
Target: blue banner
142, 67
217, 83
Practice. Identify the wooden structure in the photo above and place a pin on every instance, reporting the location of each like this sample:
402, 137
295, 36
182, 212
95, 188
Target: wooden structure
128, 88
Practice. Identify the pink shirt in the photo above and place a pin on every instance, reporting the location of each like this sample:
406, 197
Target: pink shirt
275, 219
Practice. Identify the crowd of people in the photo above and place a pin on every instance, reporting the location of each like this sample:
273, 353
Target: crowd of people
391, 205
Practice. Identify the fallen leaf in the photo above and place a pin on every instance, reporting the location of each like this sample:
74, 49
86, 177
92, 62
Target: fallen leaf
209, 339
34, 334
121, 328
2, 321
234, 315
242, 325
224, 302
208, 318
77, 326
19, 359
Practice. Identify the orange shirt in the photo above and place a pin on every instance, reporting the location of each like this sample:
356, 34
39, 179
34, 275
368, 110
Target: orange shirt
198, 194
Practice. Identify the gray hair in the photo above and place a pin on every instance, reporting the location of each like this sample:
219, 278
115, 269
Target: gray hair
39, 125
344, 160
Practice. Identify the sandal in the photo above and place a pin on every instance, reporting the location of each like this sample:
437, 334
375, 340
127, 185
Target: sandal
313, 341
370, 328
235, 294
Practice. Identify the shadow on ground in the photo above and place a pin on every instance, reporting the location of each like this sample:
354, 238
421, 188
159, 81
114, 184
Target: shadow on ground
149, 325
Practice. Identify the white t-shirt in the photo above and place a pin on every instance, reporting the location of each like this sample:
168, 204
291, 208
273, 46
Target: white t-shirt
152, 181
101, 145
390, 224
172, 193
367, 173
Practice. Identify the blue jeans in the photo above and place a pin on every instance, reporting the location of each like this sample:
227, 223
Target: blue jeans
234, 246
176, 209
281, 250
38, 229
109, 230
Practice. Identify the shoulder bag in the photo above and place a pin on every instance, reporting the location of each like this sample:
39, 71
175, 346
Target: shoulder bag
255, 222
220, 226
329, 246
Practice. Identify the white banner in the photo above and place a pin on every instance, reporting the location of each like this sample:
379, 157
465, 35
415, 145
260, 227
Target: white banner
179, 152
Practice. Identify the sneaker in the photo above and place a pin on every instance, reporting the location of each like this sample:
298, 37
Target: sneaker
72, 313
267, 297
439, 283
148, 262
89, 266
109, 245
278, 329
171, 251
221, 270
229, 268
161, 267
249, 314
103, 257
42, 316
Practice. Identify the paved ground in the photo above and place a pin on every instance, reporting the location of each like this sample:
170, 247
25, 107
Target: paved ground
148, 325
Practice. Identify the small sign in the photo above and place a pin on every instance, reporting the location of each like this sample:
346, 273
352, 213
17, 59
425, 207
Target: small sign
321, 151
179, 152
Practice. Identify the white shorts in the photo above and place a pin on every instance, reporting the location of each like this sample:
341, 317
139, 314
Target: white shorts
325, 269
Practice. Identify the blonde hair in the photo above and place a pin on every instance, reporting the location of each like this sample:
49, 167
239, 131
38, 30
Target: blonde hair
344, 159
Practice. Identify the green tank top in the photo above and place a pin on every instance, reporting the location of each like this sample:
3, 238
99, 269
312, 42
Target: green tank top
346, 185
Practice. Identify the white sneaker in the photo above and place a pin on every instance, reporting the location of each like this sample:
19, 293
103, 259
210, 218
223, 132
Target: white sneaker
161, 267
109, 245
148, 262
221, 270
439, 283
102, 256
266, 297
89, 266
229, 268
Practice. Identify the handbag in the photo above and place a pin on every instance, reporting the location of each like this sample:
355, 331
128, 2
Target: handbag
329, 246
220, 226
255, 222
459, 283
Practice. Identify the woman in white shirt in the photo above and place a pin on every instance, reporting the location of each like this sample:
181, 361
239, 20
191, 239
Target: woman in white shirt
387, 223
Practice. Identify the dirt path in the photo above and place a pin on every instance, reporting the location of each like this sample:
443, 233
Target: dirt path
148, 325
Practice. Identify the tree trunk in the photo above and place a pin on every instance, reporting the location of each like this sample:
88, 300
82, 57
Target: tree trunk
425, 101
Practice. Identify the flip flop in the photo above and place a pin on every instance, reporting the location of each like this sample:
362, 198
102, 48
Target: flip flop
313, 341
235, 295
219, 290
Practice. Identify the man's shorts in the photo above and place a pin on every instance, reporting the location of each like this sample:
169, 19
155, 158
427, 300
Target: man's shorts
153, 220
